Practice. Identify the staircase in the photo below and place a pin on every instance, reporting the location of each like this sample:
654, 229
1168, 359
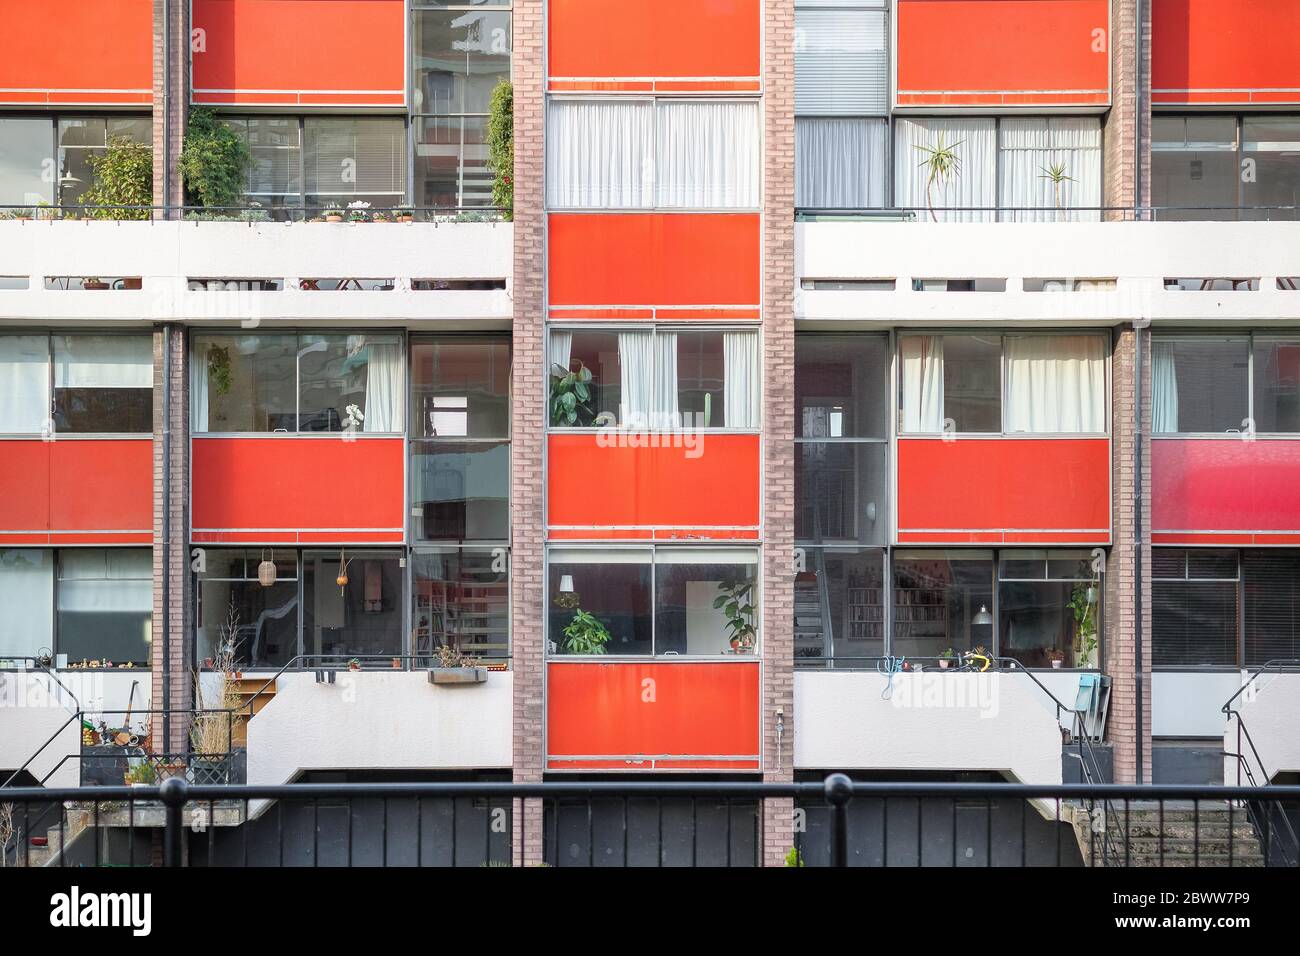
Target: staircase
254, 694
1182, 834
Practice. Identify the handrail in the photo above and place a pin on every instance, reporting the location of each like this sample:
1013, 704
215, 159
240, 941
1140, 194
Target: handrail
46, 666
41, 749
1280, 663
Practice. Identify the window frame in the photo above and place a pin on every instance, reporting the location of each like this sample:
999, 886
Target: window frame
54, 155
1239, 623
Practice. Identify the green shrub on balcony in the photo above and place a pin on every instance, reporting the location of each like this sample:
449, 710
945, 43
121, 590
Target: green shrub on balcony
214, 162
123, 178
501, 147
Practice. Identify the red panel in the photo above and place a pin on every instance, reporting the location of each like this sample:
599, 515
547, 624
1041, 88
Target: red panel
300, 52
652, 710
25, 485
292, 489
101, 485
1225, 51
632, 259
1224, 485
714, 485
78, 51
1003, 52
976, 490
655, 38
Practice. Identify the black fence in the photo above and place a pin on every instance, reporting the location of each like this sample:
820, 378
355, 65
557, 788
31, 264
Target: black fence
835, 822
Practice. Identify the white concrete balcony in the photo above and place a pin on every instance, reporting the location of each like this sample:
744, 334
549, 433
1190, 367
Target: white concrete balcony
416, 275
866, 272
1263, 727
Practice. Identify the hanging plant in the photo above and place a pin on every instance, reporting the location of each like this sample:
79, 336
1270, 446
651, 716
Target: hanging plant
219, 368
501, 147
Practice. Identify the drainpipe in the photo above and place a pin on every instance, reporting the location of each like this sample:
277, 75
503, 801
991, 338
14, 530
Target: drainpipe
1138, 689
1137, 109
167, 110
166, 530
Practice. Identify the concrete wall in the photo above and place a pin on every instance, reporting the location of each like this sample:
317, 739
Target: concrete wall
1190, 704
1270, 711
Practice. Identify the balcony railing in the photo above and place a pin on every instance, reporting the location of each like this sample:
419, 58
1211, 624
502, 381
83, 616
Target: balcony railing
252, 214
1051, 214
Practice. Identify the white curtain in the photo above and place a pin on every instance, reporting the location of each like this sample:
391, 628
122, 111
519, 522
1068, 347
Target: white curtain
1056, 383
103, 361
560, 351
839, 163
600, 154
973, 186
27, 596
199, 389
636, 363
708, 155
666, 408
922, 357
1164, 388
1029, 146
740, 371
385, 409
24, 383
106, 580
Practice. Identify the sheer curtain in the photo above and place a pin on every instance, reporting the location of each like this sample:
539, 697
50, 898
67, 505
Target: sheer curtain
839, 163
636, 362
1056, 383
922, 357
560, 351
708, 155
24, 383
199, 390
974, 185
385, 409
27, 596
103, 361
1164, 388
600, 154
666, 412
740, 374
1029, 145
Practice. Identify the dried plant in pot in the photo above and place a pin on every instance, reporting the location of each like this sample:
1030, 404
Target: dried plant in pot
452, 666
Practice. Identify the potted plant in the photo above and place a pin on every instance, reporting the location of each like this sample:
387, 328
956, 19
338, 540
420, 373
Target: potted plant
404, 214
942, 164
379, 216
947, 658
585, 634
1057, 658
22, 215
141, 774
357, 211
453, 667
571, 395
354, 664
735, 600
333, 214
1056, 173
94, 283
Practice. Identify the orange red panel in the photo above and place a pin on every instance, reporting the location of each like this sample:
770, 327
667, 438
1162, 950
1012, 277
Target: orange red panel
654, 259
615, 491
301, 53
652, 715
97, 52
1230, 52
647, 39
1004, 490
1213, 491
1003, 53
297, 490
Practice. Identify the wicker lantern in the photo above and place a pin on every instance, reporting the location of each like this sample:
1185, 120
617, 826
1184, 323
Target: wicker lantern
266, 571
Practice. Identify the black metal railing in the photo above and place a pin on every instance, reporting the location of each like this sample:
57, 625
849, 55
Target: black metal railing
1050, 213
251, 214
832, 822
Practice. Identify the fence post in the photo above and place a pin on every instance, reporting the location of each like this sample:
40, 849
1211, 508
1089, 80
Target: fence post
839, 791
173, 793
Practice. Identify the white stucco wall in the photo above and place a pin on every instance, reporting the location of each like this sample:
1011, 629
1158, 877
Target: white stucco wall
1270, 710
1186, 704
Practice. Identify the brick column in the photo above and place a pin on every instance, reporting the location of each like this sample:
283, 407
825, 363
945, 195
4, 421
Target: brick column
778, 420
170, 657
171, 90
528, 427
1121, 186
1121, 638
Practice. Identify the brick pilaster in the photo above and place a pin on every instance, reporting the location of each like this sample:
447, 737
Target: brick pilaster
1121, 184
778, 420
528, 426
171, 90
1122, 635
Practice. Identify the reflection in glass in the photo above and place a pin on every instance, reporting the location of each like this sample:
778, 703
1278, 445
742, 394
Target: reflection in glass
613, 587
460, 490
839, 608
462, 600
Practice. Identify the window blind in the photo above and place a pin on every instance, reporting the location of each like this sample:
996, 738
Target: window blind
840, 66
1272, 605
355, 156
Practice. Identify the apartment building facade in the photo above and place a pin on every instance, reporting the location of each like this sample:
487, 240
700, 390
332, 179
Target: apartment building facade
700, 454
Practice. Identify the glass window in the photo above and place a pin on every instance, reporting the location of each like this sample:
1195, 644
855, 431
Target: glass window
103, 383
1277, 385
275, 169
82, 138
354, 159
842, 492
460, 491
27, 596
459, 56
451, 162
1056, 384
839, 607
351, 381
244, 383
460, 387
1048, 608
1270, 168
1194, 164
951, 383
840, 66
462, 600
24, 384
841, 385
358, 618
840, 162
26, 161
708, 154
973, 186
706, 601
701, 378
104, 601
942, 600
1049, 163
1193, 608
1200, 385
1271, 585
593, 359
600, 601
256, 623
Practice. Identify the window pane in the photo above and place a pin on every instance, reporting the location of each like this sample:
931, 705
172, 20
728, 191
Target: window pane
258, 624
839, 608
1215, 565
103, 383
1032, 149
105, 605
438, 154
1042, 621
840, 63
1022, 566
1272, 589
841, 492
611, 586
942, 599
972, 382
355, 159
708, 155
688, 584
27, 596
459, 56
600, 154
1056, 384
24, 383
1199, 385
840, 163
460, 387
275, 173
81, 138
244, 383
1272, 145
598, 353
1277, 386
1193, 624
26, 161
1194, 163
351, 381
361, 618
701, 378
973, 140
460, 491
461, 601
1169, 563
841, 385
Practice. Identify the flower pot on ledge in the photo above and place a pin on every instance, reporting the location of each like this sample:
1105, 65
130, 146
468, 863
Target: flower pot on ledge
457, 675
